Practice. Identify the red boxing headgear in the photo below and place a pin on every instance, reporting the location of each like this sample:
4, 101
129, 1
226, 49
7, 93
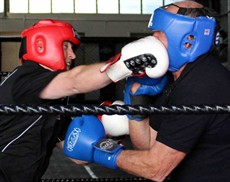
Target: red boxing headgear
42, 43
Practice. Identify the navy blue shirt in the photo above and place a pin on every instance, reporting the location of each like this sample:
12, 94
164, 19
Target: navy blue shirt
205, 138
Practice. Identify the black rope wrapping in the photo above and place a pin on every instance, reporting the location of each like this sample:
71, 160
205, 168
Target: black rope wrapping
113, 109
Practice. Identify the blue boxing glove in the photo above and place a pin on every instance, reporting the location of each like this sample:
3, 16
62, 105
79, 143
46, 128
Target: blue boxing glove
85, 140
148, 87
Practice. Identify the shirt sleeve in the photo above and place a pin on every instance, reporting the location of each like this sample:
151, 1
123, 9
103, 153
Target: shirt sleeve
27, 89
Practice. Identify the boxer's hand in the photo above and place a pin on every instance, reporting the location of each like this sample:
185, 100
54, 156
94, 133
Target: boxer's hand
85, 140
144, 56
148, 87
115, 125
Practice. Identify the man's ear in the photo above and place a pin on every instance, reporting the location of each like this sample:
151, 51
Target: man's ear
39, 45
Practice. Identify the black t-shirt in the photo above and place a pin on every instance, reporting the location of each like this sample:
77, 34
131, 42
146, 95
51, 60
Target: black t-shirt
205, 138
26, 141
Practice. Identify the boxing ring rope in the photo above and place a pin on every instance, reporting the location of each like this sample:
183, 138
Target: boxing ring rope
79, 109
97, 180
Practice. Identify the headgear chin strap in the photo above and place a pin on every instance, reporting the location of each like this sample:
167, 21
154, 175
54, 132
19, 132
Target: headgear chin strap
188, 37
43, 43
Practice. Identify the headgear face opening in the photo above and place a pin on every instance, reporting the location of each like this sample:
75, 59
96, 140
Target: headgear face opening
188, 37
43, 43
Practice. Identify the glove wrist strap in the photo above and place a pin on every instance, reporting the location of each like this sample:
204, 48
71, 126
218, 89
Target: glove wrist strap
106, 152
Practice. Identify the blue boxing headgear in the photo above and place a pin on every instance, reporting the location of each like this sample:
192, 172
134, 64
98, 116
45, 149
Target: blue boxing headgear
188, 37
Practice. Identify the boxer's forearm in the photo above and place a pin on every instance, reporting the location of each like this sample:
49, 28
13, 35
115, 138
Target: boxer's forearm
140, 134
81, 79
154, 164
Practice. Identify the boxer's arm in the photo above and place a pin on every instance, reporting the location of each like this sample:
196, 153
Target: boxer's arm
81, 79
86, 78
141, 134
154, 164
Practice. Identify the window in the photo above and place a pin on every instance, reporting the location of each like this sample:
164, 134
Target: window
130, 6
41, 6
60, 6
1, 6
107, 6
19, 6
149, 5
170, 1
84, 6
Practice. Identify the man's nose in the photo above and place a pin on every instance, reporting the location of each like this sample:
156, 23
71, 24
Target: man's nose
71, 54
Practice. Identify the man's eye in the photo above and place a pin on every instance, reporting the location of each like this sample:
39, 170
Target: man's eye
65, 47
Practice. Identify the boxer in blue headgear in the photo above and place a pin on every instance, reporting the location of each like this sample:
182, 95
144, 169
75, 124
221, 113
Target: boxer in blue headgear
188, 37
186, 147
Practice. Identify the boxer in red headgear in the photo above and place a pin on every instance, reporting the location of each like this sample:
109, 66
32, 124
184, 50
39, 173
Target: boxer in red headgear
42, 43
45, 78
